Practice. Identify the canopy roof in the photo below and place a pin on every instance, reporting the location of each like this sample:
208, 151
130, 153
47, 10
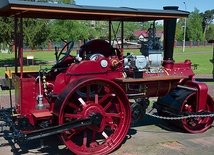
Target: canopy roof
82, 12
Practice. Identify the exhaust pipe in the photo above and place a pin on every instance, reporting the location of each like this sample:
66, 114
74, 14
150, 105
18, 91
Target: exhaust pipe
169, 35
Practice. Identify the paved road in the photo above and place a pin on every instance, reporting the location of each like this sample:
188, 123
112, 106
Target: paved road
149, 137
156, 137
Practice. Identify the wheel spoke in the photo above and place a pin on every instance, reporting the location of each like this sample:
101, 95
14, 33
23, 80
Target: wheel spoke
71, 116
113, 115
93, 135
85, 139
104, 98
74, 106
82, 102
107, 106
96, 99
107, 90
105, 135
71, 133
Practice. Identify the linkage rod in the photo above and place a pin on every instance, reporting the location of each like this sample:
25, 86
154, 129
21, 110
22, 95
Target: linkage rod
55, 129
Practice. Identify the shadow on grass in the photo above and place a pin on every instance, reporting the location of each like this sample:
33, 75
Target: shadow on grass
11, 62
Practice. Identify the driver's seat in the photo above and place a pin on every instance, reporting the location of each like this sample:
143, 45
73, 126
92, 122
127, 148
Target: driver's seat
96, 46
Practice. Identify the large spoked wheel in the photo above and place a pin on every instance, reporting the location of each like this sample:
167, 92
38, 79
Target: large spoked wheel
196, 124
83, 97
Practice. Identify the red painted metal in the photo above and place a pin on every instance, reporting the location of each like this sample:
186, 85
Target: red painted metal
26, 91
197, 124
151, 85
202, 93
85, 96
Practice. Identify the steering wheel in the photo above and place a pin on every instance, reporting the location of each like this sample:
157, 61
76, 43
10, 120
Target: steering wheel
63, 54
69, 46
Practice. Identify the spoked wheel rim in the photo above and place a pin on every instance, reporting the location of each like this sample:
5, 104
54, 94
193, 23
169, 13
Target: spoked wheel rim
84, 97
197, 124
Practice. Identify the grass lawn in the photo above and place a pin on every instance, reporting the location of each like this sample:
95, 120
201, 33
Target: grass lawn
203, 61
40, 58
199, 55
194, 49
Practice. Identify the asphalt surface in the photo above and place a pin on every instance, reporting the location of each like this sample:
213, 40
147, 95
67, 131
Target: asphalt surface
151, 136
156, 137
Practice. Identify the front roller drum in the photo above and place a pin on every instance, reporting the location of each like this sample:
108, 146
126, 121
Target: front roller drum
81, 99
196, 124
184, 101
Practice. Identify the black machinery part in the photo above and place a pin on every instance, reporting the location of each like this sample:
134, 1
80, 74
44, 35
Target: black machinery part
173, 101
139, 109
23, 123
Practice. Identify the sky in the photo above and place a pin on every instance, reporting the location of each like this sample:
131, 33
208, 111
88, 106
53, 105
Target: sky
188, 5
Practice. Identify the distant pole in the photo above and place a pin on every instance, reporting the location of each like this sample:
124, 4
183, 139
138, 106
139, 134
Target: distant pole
185, 25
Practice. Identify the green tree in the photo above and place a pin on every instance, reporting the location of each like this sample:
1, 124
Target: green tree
194, 26
41, 0
36, 32
179, 34
36, 0
129, 28
66, 1
101, 28
210, 32
72, 30
59, 1
208, 17
6, 30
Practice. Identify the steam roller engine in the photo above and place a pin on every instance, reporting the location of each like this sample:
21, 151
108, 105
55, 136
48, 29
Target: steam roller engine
91, 99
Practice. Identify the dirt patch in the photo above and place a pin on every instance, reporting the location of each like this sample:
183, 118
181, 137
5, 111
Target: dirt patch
174, 145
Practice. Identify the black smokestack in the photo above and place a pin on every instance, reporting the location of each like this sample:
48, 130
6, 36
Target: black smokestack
169, 34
